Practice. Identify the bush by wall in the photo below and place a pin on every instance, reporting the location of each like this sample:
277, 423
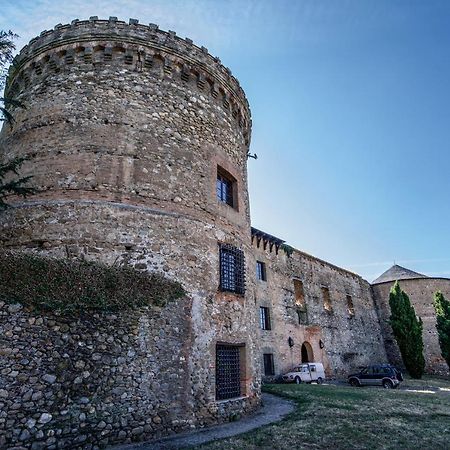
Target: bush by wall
442, 308
74, 286
407, 329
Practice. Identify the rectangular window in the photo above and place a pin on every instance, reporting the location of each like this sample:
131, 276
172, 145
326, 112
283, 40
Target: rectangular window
350, 307
261, 271
326, 299
226, 188
302, 316
228, 371
269, 368
232, 269
299, 293
264, 318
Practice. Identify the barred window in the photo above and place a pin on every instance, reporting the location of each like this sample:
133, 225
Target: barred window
228, 371
226, 188
264, 318
269, 368
232, 269
261, 271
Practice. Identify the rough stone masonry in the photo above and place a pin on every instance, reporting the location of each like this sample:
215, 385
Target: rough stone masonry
138, 141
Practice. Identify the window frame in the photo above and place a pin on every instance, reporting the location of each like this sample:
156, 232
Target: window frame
231, 269
268, 358
261, 273
265, 322
350, 305
326, 297
237, 388
226, 188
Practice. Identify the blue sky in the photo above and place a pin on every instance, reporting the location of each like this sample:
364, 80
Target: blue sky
351, 115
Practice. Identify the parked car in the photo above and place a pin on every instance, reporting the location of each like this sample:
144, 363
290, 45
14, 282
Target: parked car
377, 375
305, 373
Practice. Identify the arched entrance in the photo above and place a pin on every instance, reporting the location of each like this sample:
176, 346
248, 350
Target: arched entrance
307, 352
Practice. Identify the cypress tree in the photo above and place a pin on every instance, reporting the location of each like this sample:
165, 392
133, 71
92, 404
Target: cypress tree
442, 308
407, 329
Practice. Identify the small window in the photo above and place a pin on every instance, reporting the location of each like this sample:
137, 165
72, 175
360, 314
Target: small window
326, 299
264, 318
350, 307
269, 368
299, 293
226, 187
312, 368
232, 269
261, 271
302, 316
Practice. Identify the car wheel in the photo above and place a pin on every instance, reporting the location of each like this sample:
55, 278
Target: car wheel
319, 380
387, 384
298, 380
355, 382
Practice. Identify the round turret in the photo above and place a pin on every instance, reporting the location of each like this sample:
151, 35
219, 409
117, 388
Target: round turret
128, 117
137, 141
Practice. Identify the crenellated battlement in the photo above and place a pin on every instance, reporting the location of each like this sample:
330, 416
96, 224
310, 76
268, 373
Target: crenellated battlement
139, 47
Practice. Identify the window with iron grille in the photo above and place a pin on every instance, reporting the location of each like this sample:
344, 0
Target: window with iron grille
261, 271
232, 269
269, 368
228, 371
264, 318
225, 187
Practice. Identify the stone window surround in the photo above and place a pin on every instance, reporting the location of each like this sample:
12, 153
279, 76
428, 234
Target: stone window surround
326, 297
237, 284
350, 305
272, 363
244, 369
227, 184
261, 271
265, 321
221, 164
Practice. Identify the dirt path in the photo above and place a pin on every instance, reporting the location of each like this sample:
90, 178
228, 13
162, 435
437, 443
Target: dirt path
274, 409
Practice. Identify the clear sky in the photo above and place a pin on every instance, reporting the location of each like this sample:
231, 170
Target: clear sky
351, 115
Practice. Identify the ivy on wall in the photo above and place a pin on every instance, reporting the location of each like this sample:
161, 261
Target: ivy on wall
75, 286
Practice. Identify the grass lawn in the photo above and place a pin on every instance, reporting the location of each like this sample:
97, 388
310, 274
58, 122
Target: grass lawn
341, 417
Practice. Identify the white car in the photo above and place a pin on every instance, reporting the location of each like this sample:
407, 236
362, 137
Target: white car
306, 373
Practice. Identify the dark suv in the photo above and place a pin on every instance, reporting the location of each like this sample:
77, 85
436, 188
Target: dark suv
378, 375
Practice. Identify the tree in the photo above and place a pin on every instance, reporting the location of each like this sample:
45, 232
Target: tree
7, 48
11, 184
407, 329
442, 308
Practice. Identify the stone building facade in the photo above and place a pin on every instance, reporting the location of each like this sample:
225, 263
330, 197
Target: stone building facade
138, 142
311, 310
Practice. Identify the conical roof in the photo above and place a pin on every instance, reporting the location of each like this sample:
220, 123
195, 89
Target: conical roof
397, 272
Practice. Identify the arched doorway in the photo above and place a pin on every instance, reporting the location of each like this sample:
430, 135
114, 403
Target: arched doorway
307, 352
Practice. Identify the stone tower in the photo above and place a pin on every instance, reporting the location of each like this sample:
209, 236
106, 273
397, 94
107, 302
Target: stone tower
138, 140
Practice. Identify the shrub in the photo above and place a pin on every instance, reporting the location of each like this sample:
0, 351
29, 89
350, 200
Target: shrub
407, 329
442, 308
74, 286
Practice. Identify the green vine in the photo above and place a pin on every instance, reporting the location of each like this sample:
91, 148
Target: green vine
75, 286
287, 249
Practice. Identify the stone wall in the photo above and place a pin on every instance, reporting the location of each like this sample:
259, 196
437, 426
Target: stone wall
420, 292
99, 379
339, 338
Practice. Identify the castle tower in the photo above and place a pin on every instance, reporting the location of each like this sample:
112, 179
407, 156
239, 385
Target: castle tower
137, 141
